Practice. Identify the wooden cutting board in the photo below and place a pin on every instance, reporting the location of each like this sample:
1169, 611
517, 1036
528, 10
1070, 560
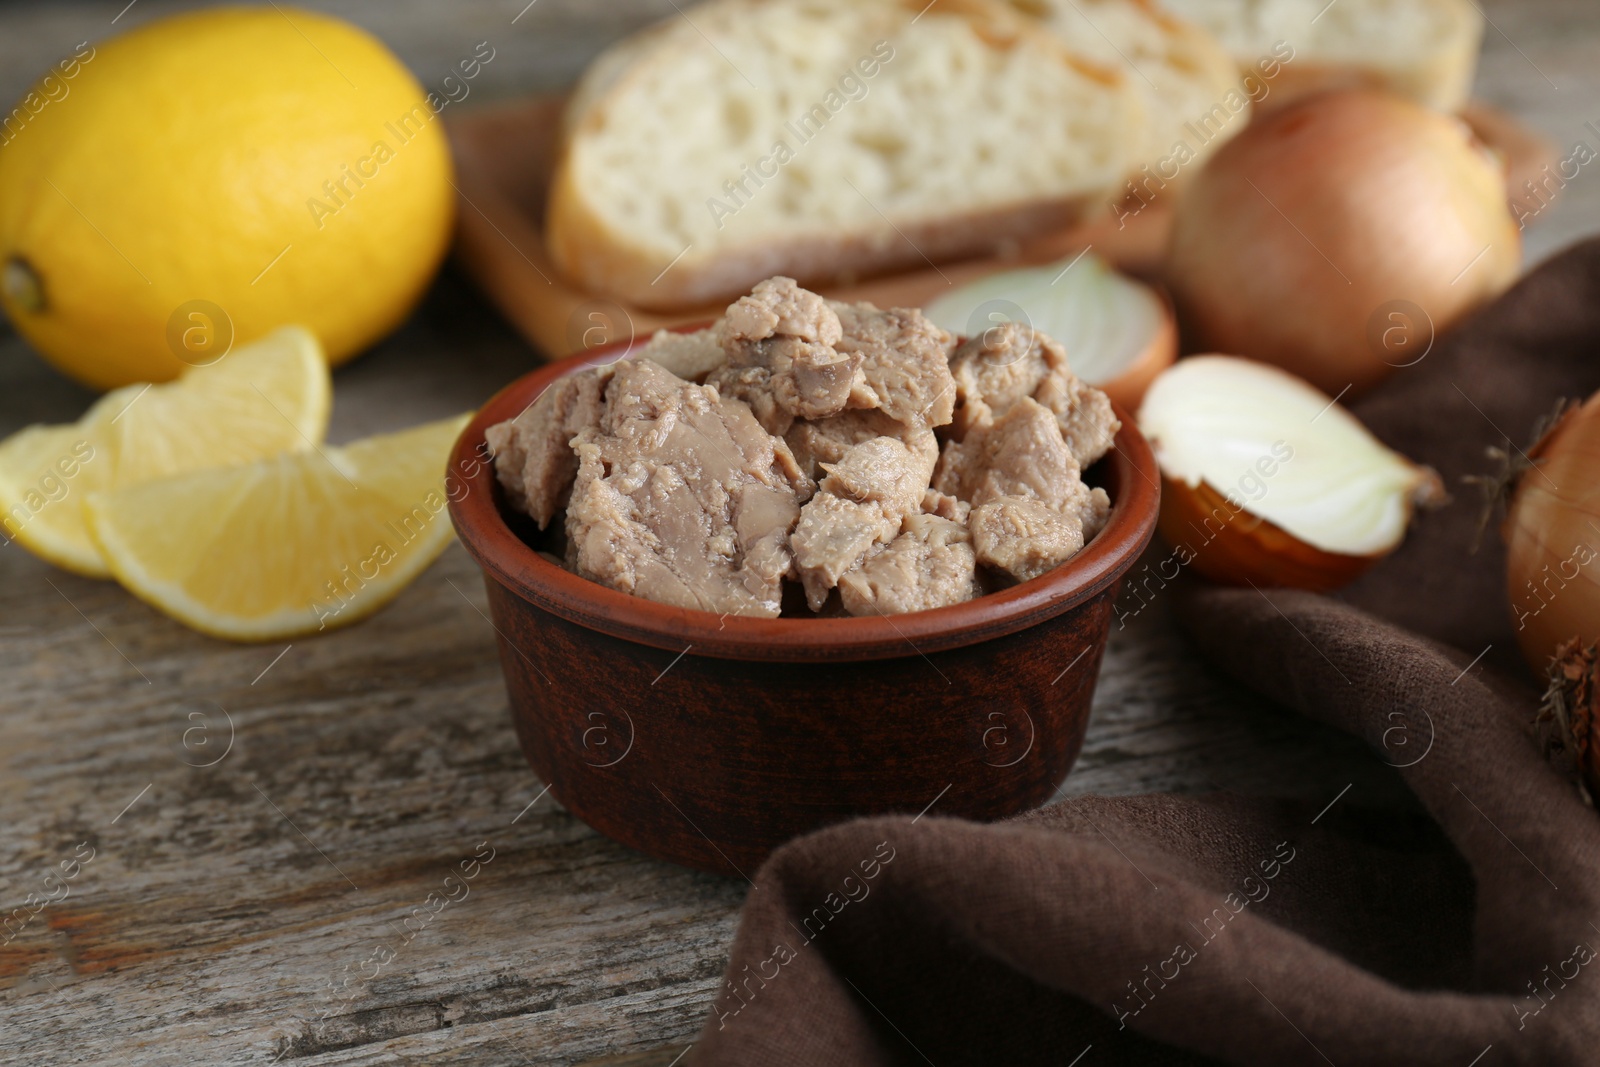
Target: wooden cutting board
505, 153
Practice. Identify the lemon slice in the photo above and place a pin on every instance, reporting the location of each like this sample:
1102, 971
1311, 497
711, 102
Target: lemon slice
261, 399
286, 546
42, 470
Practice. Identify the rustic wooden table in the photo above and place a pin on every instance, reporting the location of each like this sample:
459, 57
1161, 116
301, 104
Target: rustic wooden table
262, 819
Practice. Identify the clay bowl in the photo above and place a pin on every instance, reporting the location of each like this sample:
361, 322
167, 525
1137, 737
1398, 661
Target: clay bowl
709, 741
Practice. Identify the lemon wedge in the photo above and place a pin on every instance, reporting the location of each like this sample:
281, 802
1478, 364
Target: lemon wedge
286, 546
259, 400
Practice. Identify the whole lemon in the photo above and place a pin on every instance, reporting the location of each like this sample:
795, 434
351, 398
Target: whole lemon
208, 177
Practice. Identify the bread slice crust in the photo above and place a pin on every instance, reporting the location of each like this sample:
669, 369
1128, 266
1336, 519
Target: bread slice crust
869, 224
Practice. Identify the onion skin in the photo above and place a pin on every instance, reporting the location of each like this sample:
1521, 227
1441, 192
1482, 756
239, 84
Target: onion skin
1552, 533
1302, 233
1230, 546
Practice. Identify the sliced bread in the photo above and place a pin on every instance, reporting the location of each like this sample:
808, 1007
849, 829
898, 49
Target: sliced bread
829, 139
1423, 49
1190, 84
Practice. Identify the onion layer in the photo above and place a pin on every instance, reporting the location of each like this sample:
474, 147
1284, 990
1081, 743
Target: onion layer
1267, 481
1119, 333
1335, 237
1230, 546
1553, 540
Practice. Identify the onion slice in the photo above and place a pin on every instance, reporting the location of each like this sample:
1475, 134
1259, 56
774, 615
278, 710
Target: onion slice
1268, 481
1119, 333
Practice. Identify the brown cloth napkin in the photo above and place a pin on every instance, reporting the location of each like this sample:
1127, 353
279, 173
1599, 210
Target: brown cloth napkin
1185, 930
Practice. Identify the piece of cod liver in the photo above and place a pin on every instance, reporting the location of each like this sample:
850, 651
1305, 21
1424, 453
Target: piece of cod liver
681, 497
858, 507
931, 564
691, 356
533, 456
1012, 362
781, 360
819, 441
905, 363
1023, 537
901, 387
1031, 509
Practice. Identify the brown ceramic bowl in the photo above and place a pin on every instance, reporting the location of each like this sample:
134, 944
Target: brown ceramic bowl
709, 741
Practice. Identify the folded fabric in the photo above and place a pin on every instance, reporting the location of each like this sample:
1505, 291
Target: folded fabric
1189, 930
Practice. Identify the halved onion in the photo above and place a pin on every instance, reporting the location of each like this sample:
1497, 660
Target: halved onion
1119, 333
1552, 535
1267, 481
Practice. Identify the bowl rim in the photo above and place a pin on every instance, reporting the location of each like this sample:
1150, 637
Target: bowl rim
507, 560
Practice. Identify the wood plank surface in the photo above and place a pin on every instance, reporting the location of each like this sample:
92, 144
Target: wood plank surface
266, 822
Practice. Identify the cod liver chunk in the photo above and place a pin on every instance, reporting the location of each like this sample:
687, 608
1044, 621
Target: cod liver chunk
945, 506
1022, 454
858, 507
931, 564
1087, 422
681, 497
884, 470
778, 342
997, 368
691, 356
905, 363
752, 387
790, 378
533, 456
1023, 537
1011, 362
779, 307
1019, 458
819, 441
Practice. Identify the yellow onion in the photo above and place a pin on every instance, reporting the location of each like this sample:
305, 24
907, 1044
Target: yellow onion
1265, 481
1553, 540
1336, 237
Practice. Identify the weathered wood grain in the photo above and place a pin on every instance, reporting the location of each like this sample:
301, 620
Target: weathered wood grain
223, 904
